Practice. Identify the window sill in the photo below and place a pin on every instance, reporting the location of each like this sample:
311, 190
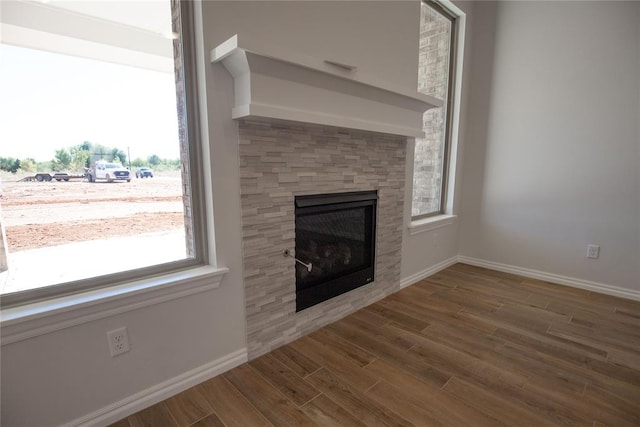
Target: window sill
31, 320
431, 223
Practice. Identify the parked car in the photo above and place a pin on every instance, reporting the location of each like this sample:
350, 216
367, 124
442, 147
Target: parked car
144, 173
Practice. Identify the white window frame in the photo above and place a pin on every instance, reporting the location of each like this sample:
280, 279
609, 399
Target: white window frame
47, 309
446, 215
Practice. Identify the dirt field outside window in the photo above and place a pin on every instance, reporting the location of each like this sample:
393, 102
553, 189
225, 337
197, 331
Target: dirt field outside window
81, 218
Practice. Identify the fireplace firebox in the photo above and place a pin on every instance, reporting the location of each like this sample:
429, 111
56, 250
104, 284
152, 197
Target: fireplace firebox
335, 244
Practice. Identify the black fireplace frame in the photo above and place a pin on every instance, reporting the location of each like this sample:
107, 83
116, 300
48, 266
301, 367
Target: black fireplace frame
312, 294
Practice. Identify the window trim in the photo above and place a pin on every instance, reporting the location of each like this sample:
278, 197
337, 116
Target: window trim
456, 49
39, 318
431, 223
197, 189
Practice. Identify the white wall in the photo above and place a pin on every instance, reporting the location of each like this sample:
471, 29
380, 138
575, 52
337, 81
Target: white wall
552, 160
58, 377
378, 37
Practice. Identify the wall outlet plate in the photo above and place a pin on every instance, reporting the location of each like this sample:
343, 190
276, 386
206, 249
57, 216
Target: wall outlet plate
118, 341
593, 251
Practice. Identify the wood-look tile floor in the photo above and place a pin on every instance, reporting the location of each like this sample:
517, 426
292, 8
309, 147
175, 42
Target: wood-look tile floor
466, 347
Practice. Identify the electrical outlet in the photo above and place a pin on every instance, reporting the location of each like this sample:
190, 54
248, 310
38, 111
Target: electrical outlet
118, 341
593, 251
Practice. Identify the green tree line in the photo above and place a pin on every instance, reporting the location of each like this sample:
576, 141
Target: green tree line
78, 157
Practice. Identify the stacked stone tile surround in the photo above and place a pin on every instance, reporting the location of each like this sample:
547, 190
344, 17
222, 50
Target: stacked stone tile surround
280, 160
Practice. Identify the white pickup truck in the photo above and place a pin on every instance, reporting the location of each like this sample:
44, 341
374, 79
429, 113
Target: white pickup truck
110, 172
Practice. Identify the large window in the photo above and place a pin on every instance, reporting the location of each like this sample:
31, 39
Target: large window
436, 68
99, 162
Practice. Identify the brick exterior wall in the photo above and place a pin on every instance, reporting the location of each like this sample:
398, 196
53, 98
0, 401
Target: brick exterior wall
433, 76
280, 160
182, 129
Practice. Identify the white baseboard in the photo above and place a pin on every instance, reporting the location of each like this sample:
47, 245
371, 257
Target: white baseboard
145, 398
414, 278
600, 288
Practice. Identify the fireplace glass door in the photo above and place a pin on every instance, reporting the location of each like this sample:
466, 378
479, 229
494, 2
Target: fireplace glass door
335, 243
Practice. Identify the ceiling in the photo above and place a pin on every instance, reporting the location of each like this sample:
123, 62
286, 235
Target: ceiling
153, 16
136, 33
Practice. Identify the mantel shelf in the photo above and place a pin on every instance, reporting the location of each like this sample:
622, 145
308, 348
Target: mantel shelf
276, 83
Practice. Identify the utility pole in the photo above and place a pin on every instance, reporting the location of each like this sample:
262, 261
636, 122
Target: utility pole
129, 157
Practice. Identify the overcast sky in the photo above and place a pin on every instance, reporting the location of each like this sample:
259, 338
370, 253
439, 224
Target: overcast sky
50, 101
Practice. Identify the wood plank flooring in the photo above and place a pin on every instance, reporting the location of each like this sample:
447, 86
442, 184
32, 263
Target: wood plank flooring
466, 347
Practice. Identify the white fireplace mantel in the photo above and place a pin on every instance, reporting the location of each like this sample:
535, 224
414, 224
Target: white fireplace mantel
277, 83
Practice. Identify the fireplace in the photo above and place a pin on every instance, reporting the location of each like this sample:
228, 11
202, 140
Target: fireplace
351, 138
335, 244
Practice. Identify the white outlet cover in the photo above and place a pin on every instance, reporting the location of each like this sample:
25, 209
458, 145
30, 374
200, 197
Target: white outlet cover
593, 251
118, 340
